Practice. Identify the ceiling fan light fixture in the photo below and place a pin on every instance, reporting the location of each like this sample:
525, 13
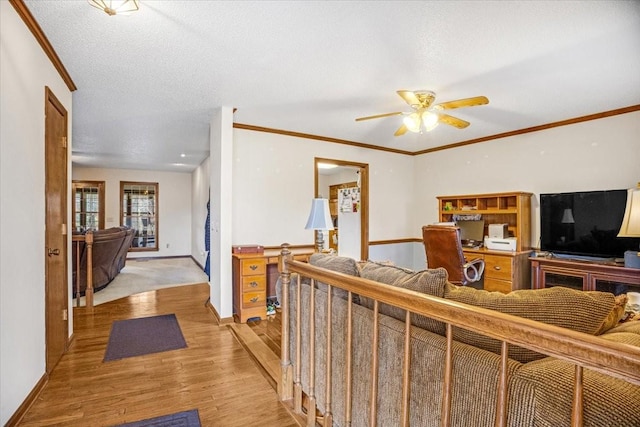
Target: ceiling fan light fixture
116, 7
412, 122
430, 120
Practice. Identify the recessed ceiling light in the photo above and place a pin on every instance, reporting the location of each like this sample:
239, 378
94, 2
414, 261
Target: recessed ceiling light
183, 155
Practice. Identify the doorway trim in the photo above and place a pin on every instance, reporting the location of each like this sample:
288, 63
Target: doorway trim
364, 197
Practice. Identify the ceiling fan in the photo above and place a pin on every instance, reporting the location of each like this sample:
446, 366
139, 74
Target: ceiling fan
425, 114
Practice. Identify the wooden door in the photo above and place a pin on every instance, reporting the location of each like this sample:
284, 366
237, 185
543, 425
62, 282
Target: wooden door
56, 283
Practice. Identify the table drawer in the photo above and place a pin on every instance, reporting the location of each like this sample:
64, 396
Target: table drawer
498, 267
492, 285
254, 299
250, 267
254, 283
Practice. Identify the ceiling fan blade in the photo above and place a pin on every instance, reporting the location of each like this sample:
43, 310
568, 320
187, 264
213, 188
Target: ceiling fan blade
467, 102
378, 116
401, 131
453, 121
409, 97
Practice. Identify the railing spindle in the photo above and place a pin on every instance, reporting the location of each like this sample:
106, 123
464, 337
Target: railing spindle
349, 351
311, 410
88, 293
285, 383
445, 419
77, 243
297, 387
576, 412
328, 417
501, 402
406, 371
373, 413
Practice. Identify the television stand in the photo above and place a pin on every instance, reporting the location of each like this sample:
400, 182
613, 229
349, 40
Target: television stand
586, 275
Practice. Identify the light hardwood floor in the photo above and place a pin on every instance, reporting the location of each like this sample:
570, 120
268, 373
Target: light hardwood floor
214, 374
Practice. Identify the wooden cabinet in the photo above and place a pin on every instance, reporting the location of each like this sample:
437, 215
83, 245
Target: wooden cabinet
249, 287
504, 270
584, 275
512, 208
254, 280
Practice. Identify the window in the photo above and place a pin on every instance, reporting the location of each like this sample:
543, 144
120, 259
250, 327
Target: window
139, 210
88, 205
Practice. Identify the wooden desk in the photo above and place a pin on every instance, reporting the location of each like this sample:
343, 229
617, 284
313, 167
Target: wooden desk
504, 271
254, 280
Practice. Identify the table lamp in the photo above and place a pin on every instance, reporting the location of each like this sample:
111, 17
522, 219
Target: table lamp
319, 220
631, 225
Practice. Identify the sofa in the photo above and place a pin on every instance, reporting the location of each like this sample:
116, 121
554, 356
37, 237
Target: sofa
540, 388
109, 255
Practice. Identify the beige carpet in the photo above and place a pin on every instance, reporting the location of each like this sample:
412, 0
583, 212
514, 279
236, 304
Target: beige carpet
147, 275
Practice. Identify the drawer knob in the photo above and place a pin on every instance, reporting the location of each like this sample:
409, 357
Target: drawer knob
497, 267
254, 299
253, 284
253, 267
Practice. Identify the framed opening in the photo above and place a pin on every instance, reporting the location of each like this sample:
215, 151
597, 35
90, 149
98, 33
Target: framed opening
139, 210
88, 205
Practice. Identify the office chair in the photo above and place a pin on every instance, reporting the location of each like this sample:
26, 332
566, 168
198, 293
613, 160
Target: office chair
443, 248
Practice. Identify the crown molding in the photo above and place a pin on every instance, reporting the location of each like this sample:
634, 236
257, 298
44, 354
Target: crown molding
318, 138
575, 120
572, 121
42, 40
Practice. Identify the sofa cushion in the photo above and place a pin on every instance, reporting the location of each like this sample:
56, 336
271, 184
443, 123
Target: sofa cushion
430, 282
582, 311
339, 264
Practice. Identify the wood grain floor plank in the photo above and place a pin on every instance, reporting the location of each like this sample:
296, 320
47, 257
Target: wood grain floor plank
214, 374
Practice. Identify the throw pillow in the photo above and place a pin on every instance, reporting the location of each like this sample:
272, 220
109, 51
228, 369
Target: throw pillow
582, 311
615, 315
430, 282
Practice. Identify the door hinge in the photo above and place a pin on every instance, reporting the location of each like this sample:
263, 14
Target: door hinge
65, 314
64, 142
64, 229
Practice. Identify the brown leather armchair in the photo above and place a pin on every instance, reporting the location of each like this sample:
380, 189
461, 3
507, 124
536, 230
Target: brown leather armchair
109, 255
443, 248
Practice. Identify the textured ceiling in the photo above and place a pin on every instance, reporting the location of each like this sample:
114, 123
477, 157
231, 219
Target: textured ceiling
148, 83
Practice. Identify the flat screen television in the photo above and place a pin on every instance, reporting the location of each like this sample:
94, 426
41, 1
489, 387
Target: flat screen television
584, 224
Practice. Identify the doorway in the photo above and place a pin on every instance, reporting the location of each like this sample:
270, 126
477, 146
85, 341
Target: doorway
350, 173
56, 278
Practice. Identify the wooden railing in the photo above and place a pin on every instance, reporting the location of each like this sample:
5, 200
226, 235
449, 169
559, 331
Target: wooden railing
584, 351
87, 238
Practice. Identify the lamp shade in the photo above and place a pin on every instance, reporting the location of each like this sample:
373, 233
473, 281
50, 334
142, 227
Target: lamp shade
631, 222
567, 216
319, 217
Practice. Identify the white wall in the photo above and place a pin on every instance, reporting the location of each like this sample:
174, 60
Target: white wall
273, 179
595, 155
24, 72
221, 170
273, 184
174, 208
200, 195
